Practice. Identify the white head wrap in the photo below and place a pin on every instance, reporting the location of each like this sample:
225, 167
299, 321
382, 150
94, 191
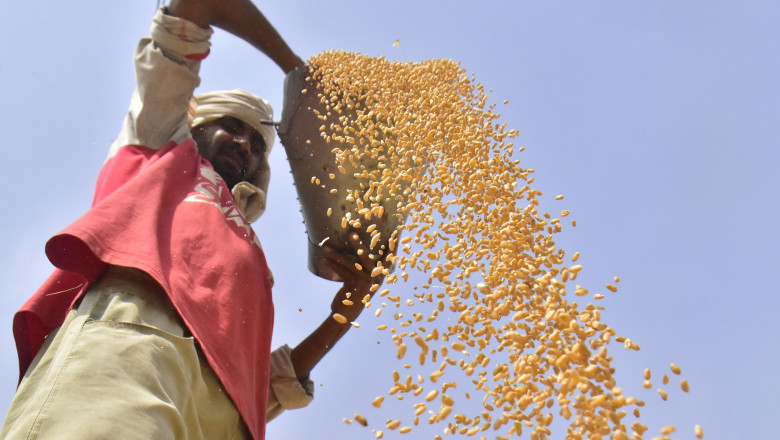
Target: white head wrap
258, 114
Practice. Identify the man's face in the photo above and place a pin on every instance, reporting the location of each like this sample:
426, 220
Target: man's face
235, 149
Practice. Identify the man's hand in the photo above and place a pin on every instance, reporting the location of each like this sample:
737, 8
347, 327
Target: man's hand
242, 19
349, 302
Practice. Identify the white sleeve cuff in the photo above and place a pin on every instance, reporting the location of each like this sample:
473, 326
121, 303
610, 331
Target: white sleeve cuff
286, 391
166, 68
180, 38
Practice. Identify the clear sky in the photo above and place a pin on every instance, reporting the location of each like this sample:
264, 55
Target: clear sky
658, 120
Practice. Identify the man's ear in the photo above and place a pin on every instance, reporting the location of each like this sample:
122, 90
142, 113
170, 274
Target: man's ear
197, 134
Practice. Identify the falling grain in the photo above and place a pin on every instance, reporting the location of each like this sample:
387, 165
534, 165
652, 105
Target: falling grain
471, 224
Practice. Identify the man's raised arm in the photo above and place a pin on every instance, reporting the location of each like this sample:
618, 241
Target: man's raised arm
242, 19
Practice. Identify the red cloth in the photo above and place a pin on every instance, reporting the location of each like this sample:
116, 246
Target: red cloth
167, 212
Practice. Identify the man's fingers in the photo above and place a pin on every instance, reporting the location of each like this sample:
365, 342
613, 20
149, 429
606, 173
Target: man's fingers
345, 264
346, 270
365, 264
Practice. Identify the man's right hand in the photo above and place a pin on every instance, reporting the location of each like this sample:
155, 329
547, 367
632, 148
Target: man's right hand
242, 19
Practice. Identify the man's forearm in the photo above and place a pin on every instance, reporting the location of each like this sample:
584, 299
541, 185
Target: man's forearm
242, 19
349, 302
312, 349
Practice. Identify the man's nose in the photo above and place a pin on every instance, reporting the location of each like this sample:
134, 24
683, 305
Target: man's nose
244, 142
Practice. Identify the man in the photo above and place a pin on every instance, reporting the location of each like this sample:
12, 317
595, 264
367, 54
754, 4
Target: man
157, 322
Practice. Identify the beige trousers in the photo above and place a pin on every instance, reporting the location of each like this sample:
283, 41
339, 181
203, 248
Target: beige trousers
121, 367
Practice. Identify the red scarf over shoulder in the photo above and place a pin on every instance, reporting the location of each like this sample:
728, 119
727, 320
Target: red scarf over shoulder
168, 213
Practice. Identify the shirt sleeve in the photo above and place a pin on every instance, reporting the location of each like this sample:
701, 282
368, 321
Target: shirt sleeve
166, 69
286, 391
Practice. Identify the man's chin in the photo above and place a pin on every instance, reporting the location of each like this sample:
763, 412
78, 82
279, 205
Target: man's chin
230, 177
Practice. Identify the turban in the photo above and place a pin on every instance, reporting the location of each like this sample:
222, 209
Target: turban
257, 113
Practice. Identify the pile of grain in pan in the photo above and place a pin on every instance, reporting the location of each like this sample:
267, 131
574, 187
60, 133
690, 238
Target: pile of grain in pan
516, 330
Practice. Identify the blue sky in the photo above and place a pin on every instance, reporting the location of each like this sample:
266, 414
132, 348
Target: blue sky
657, 120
